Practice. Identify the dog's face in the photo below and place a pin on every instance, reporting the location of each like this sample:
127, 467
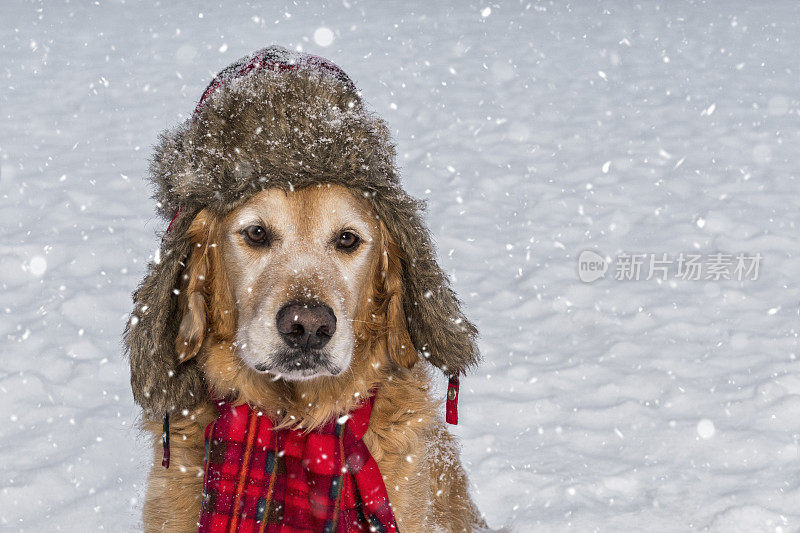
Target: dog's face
298, 264
292, 279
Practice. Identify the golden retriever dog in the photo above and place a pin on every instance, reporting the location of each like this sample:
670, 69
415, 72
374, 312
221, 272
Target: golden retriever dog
299, 289
321, 253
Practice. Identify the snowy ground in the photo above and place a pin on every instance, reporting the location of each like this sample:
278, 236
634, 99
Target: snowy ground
535, 132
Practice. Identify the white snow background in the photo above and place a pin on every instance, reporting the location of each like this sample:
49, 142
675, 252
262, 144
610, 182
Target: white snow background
535, 131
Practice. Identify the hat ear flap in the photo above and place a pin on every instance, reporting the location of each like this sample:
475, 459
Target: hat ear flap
160, 383
437, 326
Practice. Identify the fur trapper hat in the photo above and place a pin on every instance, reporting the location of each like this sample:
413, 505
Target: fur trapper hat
283, 119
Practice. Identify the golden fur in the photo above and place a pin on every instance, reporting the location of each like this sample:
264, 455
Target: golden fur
407, 437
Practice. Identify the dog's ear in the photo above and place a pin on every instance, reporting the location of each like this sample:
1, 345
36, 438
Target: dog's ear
204, 298
432, 312
389, 295
194, 289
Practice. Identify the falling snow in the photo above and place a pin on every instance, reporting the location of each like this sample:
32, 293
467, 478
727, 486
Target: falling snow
323, 36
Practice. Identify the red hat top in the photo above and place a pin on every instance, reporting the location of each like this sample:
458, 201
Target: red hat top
277, 59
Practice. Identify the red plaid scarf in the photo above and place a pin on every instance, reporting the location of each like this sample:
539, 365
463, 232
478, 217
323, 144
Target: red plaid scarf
261, 479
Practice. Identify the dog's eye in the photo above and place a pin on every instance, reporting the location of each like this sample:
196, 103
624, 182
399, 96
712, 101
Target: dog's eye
348, 241
256, 236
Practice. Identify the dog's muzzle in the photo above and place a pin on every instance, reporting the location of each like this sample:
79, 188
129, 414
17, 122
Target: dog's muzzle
305, 327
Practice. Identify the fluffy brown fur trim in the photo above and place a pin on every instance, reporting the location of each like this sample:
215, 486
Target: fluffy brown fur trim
159, 383
287, 130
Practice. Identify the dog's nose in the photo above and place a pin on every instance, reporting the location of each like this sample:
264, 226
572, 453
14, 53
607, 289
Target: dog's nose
306, 325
